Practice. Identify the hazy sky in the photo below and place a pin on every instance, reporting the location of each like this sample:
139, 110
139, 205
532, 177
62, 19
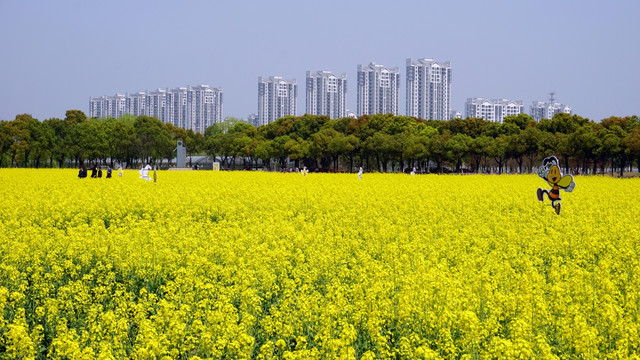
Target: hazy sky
54, 55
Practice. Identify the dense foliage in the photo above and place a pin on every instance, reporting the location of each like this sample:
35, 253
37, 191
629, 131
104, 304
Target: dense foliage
378, 143
239, 265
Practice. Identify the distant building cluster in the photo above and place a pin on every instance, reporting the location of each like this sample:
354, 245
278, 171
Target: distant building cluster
545, 110
428, 96
192, 107
492, 110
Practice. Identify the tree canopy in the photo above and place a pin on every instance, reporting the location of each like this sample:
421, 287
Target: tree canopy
381, 142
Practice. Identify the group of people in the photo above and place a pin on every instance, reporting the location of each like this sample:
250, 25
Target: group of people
96, 172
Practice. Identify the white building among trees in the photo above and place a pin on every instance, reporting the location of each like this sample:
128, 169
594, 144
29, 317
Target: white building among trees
493, 110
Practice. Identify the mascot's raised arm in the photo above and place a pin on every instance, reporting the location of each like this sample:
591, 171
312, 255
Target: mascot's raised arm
550, 172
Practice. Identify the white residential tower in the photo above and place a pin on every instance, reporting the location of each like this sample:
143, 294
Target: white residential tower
326, 94
277, 98
428, 89
378, 88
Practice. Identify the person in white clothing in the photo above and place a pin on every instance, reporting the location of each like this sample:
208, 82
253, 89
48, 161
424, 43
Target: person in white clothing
144, 172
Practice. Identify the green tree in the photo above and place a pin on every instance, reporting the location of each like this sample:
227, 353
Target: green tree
522, 121
378, 146
516, 149
264, 152
585, 143
564, 148
413, 148
6, 140
562, 123
631, 144
18, 130
123, 142
297, 149
246, 142
58, 150
479, 151
280, 150
195, 144
91, 141
530, 138
547, 144
42, 140
343, 145
319, 149
149, 136
457, 149
438, 149
498, 151
75, 117
611, 147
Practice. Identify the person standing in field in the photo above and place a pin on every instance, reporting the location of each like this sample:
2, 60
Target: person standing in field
108, 172
360, 173
94, 172
100, 173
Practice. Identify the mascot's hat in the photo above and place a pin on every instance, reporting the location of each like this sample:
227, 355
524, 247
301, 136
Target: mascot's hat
551, 160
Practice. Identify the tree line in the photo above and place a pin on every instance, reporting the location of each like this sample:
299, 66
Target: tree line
382, 142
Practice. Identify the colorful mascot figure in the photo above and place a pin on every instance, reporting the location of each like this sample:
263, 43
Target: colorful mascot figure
550, 172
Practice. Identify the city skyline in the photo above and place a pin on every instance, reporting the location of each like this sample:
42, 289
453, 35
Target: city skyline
190, 107
333, 104
56, 54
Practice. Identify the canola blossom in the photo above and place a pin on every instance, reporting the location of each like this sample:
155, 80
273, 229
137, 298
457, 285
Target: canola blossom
252, 265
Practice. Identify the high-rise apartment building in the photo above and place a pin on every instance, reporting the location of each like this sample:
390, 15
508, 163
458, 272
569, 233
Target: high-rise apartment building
428, 89
493, 110
202, 109
135, 104
177, 106
193, 107
277, 98
455, 114
378, 88
253, 119
108, 106
545, 110
326, 94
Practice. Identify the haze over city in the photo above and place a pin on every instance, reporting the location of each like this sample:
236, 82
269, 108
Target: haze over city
56, 55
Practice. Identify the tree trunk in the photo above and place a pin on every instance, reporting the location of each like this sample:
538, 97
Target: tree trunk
519, 161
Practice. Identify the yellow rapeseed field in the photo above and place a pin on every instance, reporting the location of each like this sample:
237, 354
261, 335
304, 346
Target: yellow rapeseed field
240, 265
